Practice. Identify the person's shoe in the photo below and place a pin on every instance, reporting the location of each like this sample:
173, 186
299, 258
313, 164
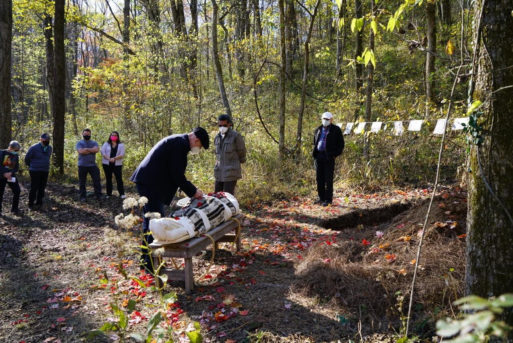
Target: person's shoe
82, 199
107, 196
18, 213
326, 203
318, 202
122, 196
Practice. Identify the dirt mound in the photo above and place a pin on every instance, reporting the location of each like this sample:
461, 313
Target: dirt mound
372, 269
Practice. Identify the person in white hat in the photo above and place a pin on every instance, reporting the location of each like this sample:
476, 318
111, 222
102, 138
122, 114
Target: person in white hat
328, 144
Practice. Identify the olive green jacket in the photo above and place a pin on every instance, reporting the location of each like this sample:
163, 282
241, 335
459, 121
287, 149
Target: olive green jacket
230, 153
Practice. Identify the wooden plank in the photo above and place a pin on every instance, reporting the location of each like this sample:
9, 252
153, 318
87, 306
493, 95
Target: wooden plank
189, 277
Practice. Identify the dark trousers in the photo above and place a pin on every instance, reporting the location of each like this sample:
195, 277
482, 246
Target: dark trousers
82, 178
15, 187
325, 167
38, 181
154, 204
227, 186
116, 170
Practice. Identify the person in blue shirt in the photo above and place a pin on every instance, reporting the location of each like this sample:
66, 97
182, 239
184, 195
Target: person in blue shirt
8, 167
87, 149
38, 161
328, 144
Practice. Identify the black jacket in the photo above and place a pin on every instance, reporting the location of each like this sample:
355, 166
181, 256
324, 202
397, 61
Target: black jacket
163, 170
334, 141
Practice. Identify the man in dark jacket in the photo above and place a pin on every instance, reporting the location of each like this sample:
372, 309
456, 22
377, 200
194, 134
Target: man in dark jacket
38, 161
161, 173
9, 164
230, 153
328, 144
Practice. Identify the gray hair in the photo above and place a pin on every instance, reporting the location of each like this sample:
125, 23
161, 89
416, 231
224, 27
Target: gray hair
14, 145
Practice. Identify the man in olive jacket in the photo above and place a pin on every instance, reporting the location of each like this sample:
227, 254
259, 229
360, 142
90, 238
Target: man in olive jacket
230, 153
328, 144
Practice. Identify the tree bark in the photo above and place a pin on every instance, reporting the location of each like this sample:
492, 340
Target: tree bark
341, 36
60, 87
177, 11
430, 53
217, 62
306, 61
489, 225
50, 65
370, 85
291, 36
240, 35
281, 144
5, 72
358, 66
445, 12
258, 20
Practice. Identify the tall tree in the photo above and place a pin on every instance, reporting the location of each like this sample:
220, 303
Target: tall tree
59, 101
370, 83
257, 18
241, 20
217, 62
281, 144
358, 52
430, 52
5, 72
341, 35
306, 62
291, 36
490, 223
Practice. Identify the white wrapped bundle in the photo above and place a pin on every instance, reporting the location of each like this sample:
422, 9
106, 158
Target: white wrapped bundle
199, 217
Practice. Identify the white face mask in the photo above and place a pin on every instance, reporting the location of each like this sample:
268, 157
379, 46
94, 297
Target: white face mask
223, 130
325, 122
195, 150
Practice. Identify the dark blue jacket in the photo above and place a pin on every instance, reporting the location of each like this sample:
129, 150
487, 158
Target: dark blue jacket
163, 170
37, 159
8, 163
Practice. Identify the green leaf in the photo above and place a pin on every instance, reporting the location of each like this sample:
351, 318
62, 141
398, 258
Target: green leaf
446, 328
341, 22
391, 24
475, 105
107, 327
154, 321
359, 24
374, 27
169, 298
163, 278
131, 305
195, 337
353, 24
92, 335
472, 302
339, 4
505, 300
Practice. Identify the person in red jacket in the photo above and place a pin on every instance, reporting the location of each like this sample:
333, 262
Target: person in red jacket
328, 144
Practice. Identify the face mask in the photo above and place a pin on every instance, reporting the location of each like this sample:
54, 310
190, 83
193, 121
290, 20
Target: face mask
45, 143
114, 138
325, 122
86, 137
223, 129
14, 152
195, 150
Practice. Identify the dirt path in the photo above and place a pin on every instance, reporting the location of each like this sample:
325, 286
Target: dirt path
298, 278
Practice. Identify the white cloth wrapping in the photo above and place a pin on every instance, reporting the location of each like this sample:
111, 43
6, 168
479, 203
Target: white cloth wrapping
198, 218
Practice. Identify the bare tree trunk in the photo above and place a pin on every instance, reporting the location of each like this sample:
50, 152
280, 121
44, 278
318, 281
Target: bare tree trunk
291, 36
126, 27
217, 62
73, 72
370, 85
430, 55
341, 36
50, 66
281, 144
5, 72
490, 200
240, 35
445, 12
157, 43
359, 67
60, 87
258, 20
306, 61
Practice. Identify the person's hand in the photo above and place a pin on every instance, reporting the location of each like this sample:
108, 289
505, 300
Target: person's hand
9, 174
198, 194
112, 160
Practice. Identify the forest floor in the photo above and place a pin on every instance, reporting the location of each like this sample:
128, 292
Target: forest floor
306, 273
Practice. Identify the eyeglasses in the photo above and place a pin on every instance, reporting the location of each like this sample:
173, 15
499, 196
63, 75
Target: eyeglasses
225, 125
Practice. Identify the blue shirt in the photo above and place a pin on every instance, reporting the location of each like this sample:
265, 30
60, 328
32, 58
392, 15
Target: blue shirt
321, 146
88, 160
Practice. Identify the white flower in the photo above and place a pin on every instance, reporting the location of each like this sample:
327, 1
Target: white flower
379, 234
143, 201
118, 219
152, 215
129, 203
